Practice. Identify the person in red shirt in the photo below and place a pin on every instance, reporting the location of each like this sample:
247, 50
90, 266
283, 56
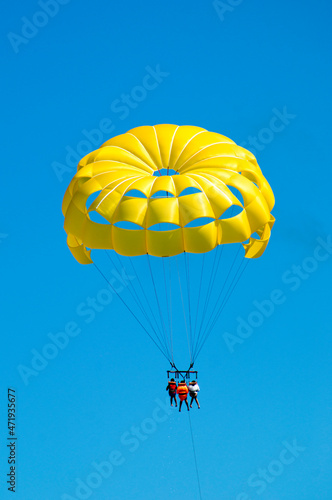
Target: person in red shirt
171, 388
182, 391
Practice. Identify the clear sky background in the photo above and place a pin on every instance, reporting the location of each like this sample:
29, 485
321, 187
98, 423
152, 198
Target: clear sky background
266, 406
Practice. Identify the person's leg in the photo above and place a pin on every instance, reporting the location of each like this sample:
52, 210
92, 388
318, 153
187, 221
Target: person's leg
187, 404
191, 402
171, 399
180, 404
197, 402
176, 403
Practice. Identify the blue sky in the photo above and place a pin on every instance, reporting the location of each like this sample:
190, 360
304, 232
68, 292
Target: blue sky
264, 430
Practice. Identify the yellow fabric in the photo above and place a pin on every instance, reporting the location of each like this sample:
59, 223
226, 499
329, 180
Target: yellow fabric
204, 160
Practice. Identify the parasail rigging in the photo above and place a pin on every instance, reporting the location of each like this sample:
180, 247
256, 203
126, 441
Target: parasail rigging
178, 210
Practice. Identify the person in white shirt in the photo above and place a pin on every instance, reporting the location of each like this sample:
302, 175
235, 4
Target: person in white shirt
193, 390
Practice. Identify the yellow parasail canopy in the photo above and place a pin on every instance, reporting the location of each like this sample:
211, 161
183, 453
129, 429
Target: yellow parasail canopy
207, 161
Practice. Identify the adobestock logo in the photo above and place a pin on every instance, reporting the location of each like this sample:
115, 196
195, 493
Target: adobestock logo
277, 124
131, 440
222, 7
30, 27
262, 478
59, 341
122, 106
292, 280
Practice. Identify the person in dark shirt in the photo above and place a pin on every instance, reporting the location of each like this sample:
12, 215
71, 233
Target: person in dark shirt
171, 388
